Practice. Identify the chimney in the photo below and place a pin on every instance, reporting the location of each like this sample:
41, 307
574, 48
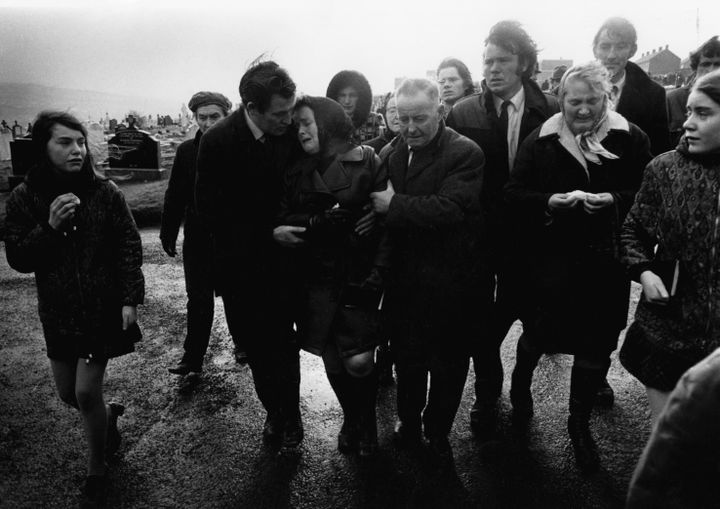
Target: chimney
666, 46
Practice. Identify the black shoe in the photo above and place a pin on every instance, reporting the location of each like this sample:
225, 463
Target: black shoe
586, 453
94, 493
483, 418
605, 396
348, 437
241, 356
406, 435
185, 368
293, 434
113, 439
272, 429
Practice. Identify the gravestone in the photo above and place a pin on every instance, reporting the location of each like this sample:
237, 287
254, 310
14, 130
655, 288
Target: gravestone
134, 155
6, 137
112, 125
23, 157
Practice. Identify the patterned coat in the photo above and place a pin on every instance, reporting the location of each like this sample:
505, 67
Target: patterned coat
678, 209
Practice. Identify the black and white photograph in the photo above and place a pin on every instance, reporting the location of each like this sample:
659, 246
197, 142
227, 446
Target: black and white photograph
359, 255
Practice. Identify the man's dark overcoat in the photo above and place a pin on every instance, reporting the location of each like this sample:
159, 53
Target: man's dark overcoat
642, 102
440, 290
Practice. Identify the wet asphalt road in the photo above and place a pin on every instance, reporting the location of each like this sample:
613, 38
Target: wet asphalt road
197, 443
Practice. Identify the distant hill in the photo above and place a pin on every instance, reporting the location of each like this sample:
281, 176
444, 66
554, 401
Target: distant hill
23, 101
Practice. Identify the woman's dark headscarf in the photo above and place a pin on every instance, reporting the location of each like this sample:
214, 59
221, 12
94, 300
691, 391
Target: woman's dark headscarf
331, 120
43, 175
361, 85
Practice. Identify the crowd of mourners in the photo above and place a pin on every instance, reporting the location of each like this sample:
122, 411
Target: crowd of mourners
401, 243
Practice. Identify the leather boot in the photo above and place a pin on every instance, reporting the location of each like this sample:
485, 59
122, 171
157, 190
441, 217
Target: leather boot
342, 384
584, 384
520, 393
365, 394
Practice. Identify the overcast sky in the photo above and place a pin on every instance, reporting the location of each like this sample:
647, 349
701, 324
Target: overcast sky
171, 49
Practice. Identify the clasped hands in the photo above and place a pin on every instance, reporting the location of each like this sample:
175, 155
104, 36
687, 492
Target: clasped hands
591, 202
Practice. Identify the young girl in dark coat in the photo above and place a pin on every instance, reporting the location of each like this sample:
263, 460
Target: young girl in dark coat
339, 270
670, 238
75, 232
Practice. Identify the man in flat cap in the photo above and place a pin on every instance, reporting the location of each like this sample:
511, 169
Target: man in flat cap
207, 108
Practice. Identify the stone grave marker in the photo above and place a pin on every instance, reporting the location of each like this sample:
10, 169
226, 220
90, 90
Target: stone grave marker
23, 157
134, 155
6, 137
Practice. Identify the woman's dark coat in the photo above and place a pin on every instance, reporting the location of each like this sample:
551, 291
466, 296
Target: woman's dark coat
577, 289
84, 276
331, 261
439, 290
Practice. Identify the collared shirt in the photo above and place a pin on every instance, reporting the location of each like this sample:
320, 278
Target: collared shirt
616, 91
515, 113
255, 130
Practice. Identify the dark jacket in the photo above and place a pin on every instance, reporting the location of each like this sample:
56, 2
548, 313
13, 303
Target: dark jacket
438, 292
237, 192
677, 112
677, 210
642, 102
179, 201
475, 117
85, 275
576, 281
680, 464
333, 259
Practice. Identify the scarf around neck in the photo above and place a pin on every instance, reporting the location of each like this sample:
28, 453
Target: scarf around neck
586, 146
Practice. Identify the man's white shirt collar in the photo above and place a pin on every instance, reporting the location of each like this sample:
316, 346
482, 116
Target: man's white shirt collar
254, 129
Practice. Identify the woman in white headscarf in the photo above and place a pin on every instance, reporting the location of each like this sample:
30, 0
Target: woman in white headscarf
574, 181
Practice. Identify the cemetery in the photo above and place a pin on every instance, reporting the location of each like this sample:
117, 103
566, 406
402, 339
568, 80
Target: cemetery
137, 159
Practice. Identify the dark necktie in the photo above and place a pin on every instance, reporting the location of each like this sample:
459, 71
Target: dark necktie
503, 118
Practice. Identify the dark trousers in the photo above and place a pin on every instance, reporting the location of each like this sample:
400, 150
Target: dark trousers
197, 265
264, 325
487, 363
440, 402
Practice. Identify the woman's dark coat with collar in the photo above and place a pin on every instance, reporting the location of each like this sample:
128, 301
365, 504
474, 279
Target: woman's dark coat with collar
331, 261
439, 290
577, 286
84, 275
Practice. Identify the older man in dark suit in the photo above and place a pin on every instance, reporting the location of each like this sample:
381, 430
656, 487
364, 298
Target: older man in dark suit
439, 291
240, 164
